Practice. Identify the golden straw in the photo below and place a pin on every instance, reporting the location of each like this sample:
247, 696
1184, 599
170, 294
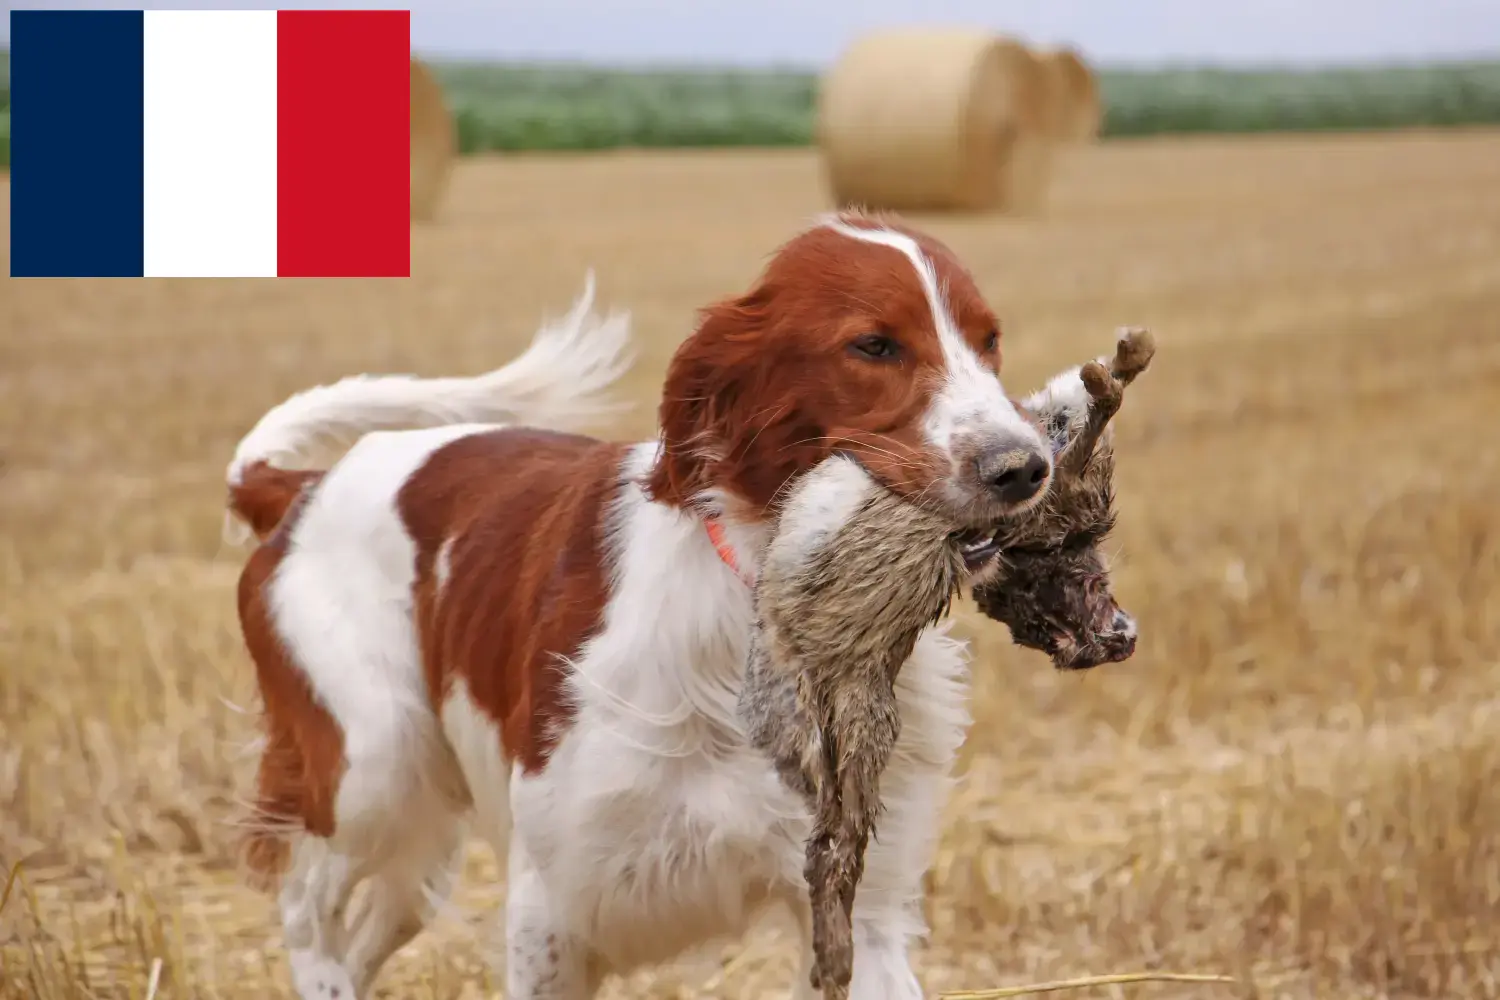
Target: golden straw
1084, 983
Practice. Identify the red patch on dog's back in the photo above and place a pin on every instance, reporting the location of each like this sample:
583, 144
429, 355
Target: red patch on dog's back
511, 572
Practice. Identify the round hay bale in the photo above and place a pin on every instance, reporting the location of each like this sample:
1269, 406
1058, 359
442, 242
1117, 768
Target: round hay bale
933, 119
1059, 96
434, 143
1033, 151
1076, 109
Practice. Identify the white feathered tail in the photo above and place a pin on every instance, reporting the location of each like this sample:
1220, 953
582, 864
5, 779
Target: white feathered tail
559, 382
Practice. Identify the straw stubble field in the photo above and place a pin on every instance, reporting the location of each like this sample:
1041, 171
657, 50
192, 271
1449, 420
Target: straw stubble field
1296, 781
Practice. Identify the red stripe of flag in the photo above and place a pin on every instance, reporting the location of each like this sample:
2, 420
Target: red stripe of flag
343, 133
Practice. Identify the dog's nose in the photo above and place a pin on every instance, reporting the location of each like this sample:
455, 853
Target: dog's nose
1015, 477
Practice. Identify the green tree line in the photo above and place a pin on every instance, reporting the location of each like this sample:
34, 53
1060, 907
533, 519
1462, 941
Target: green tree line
517, 107
523, 107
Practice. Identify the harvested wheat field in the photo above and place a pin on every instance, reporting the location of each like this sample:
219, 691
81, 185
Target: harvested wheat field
1295, 782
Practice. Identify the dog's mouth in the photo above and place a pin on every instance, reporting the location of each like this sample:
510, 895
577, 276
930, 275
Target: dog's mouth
977, 546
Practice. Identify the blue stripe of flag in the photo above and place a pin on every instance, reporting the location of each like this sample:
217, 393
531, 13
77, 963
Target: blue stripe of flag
77, 143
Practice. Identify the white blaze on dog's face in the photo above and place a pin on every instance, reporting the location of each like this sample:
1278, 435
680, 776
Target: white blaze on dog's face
991, 450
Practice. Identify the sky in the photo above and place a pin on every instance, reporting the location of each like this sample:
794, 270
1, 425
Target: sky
813, 32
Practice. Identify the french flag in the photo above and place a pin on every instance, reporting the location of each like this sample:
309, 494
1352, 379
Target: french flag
223, 143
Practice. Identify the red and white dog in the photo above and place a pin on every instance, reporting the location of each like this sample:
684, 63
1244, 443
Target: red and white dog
543, 634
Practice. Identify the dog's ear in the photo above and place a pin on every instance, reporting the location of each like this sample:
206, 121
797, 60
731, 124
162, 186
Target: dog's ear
728, 423
698, 387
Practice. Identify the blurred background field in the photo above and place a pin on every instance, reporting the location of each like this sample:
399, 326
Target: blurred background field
1294, 782
517, 107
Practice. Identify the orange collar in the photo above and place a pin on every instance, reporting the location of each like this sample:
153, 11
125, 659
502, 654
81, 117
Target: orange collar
720, 538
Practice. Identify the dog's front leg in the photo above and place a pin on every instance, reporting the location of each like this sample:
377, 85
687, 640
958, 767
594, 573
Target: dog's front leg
882, 966
544, 960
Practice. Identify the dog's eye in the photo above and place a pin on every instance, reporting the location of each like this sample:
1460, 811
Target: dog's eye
992, 342
876, 345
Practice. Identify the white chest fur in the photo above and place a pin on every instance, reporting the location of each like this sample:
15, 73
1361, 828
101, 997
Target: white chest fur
655, 827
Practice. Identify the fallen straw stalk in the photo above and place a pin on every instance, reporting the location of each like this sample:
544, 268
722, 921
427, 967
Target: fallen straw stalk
1085, 982
10, 883
155, 980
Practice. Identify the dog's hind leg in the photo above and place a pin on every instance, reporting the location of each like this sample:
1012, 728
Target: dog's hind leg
401, 898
